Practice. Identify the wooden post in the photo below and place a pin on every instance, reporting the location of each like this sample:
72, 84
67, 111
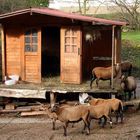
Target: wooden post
113, 41
52, 99
3, 51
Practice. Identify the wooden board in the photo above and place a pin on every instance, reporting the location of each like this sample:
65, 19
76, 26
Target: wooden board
32, 61
71, 49
13, 51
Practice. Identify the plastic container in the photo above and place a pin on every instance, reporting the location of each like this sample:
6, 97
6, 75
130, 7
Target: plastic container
14, 77
10, 82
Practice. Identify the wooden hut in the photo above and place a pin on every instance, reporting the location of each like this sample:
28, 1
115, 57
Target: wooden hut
37, 42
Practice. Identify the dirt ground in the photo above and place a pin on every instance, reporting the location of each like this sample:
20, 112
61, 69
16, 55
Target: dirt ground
40, 128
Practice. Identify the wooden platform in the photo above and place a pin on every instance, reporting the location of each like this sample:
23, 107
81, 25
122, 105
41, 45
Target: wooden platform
53, 87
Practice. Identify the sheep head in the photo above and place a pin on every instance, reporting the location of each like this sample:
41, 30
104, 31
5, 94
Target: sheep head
55, 108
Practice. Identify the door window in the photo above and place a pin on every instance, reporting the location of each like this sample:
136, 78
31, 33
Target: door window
31, 40
70, 41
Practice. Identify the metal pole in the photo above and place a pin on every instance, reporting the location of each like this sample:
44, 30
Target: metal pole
113, 41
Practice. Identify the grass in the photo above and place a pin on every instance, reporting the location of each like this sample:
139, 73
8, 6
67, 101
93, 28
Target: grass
131, 50
133, 37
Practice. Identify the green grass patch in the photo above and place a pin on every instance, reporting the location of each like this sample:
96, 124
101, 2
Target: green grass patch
133, 37
131, 50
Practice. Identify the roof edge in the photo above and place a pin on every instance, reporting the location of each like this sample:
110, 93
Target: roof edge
59, 13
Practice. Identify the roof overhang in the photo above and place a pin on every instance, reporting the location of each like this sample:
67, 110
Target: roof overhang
61, 14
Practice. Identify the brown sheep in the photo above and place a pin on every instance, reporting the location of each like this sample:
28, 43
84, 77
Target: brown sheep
53, 115
104, 73
128, 84
126, 66
100, 111
116, 106
72, 114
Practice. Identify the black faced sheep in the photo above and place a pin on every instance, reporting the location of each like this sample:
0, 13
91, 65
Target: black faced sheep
128, 84
104, 73
126, 66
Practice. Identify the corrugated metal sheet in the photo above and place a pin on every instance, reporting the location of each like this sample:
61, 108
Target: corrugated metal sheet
58, 13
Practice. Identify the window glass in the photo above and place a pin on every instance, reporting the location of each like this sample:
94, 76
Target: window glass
31, 40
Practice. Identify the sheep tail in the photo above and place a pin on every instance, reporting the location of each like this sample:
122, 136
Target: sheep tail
120, 108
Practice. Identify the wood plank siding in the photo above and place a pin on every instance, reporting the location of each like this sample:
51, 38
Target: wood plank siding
71, 47
32, 58
99, 48
13, 51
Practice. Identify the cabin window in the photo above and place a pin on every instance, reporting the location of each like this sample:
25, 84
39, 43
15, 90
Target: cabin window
30, 40
70, 41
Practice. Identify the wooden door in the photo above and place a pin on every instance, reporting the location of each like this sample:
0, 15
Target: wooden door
32, 55
71, 49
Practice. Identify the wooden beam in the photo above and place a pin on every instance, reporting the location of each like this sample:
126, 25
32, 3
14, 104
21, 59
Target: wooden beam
3, 51
33, 113
14, 110
52, 98
113, 42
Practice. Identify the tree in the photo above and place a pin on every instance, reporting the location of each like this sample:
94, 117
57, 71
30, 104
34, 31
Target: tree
37, 3
129, 11
12, 5
83, 6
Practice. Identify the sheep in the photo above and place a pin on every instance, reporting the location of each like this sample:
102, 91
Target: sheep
72, 114
53, 115
104, 73
126, 66
128, 84
100, 111
116, 105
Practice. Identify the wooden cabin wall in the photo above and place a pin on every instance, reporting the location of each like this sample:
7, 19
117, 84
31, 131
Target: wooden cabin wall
13, 50
0, 58
98, 48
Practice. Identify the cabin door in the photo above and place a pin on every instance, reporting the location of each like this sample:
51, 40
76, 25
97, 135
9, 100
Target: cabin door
71, 48
32, 55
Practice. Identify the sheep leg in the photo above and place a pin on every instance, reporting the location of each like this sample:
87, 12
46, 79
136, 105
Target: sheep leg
86, 125
121, 116
129, 95
125, 96
72, 125
54, 121
117, 116
97, 82
93, 78
100, 121
103, 123
65, 128
134, 94
84, 128
110, 120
